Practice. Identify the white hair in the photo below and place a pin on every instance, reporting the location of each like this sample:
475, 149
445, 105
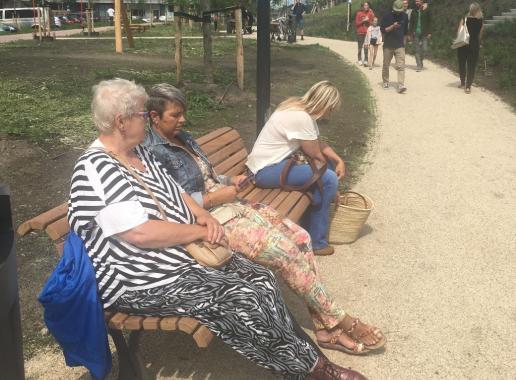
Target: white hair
112, 97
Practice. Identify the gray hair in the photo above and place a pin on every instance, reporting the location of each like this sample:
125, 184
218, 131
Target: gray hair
112, 97
163, 93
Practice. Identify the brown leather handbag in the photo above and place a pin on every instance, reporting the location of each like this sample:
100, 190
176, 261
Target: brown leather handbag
299, 158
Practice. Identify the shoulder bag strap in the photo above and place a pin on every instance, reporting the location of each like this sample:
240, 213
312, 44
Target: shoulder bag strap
140, 181
316, 176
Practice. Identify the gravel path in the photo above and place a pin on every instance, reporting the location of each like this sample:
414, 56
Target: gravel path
435, 270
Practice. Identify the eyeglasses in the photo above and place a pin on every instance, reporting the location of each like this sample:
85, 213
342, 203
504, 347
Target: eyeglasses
143, 114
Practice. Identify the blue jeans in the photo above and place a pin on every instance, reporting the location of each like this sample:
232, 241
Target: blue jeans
316, 219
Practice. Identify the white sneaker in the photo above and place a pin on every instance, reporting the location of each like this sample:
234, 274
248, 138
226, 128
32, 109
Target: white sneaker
360, 63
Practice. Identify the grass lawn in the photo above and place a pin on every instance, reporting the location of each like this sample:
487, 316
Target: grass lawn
44, 108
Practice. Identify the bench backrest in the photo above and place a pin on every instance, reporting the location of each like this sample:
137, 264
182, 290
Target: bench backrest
226, 150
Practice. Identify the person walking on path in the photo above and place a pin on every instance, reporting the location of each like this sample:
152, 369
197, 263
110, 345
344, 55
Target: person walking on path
298, 10
372, 41
111, 15
394, 25
363, 19
420, 32
468, 55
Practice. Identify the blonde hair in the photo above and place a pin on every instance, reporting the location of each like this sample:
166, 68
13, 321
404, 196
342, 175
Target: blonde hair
320, 98
475, 10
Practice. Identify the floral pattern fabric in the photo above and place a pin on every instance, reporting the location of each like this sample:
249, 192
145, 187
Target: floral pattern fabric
266, 237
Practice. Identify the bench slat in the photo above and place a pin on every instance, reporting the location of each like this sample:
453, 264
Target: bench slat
212, 135
43, 220
271, 196
226, 152
280, 198
58, 229
117, 321
299, 209
285, 206
259, 197
214, 145
169, 323
203, 337
246, 191
188, 325
237, 169
134, 322
234, 160
151, 323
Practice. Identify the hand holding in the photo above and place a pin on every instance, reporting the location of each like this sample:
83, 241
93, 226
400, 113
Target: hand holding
340, 169
214, 230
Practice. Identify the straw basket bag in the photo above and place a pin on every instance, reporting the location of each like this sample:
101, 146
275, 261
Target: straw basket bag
348, 217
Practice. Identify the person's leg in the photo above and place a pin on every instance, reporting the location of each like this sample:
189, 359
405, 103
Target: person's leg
360, 41
375, 52
366, 55
472, 65
461, 55
370, 61
424, 49
418, 47
241, 304
387, 58
399, 55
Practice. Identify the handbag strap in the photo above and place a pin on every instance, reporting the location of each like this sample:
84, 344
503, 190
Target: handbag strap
316, 176
140, 181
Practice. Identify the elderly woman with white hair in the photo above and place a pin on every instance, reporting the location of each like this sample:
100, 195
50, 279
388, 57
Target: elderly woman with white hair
135, 219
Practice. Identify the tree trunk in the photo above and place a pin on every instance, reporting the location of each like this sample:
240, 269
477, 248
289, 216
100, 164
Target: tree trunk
207, 42
179, 46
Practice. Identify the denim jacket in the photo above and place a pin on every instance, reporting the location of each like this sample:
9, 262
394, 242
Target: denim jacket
180, 164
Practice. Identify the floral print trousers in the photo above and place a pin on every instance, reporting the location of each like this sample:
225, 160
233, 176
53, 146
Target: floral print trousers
267, 238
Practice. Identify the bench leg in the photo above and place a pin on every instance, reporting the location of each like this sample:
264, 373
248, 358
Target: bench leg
136, 358
126, 367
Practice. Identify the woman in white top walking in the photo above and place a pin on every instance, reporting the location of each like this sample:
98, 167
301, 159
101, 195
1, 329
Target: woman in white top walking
292, 127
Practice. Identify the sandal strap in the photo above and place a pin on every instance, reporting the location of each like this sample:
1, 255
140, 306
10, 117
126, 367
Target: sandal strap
335, 336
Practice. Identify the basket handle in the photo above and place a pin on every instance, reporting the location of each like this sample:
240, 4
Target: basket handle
338, 196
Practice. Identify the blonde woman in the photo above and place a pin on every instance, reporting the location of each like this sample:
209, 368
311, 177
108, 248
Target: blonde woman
468, 55
291, 127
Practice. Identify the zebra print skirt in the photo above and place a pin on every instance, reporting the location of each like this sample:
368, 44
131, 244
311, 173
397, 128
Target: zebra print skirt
239, 303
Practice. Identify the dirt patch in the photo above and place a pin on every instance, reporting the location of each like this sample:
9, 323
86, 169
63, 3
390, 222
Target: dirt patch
37, 165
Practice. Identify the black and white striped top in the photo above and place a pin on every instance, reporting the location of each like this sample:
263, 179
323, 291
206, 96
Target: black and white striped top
99, 181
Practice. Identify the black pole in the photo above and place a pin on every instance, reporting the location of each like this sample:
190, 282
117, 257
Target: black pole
11, 353
263, 63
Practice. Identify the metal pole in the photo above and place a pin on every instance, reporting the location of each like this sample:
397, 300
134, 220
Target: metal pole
263, 63
11, 351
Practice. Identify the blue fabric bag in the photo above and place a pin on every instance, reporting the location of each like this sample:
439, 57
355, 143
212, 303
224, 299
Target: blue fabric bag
73, 311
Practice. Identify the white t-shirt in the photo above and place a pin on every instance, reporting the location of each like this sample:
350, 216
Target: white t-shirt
280, 137
111, 12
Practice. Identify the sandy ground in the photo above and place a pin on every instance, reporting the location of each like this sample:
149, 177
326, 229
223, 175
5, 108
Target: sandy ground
435, 268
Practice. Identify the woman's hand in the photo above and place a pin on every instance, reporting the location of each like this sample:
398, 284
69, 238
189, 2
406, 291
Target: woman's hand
340, 169
225, 195
237, 180
214, 230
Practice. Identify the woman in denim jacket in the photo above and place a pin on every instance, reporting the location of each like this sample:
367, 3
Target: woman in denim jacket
259, 232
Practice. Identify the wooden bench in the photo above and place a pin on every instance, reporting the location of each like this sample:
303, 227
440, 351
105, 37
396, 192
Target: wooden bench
139, 27
226, 150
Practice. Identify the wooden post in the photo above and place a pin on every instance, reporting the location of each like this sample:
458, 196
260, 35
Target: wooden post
239, 48
118, 27
127, 29
179, 47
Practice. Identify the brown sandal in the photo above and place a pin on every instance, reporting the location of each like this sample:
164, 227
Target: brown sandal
371, 330
333, 344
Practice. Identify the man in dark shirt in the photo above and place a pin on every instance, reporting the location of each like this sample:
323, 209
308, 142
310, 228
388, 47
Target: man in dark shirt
298, 10
394, 25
